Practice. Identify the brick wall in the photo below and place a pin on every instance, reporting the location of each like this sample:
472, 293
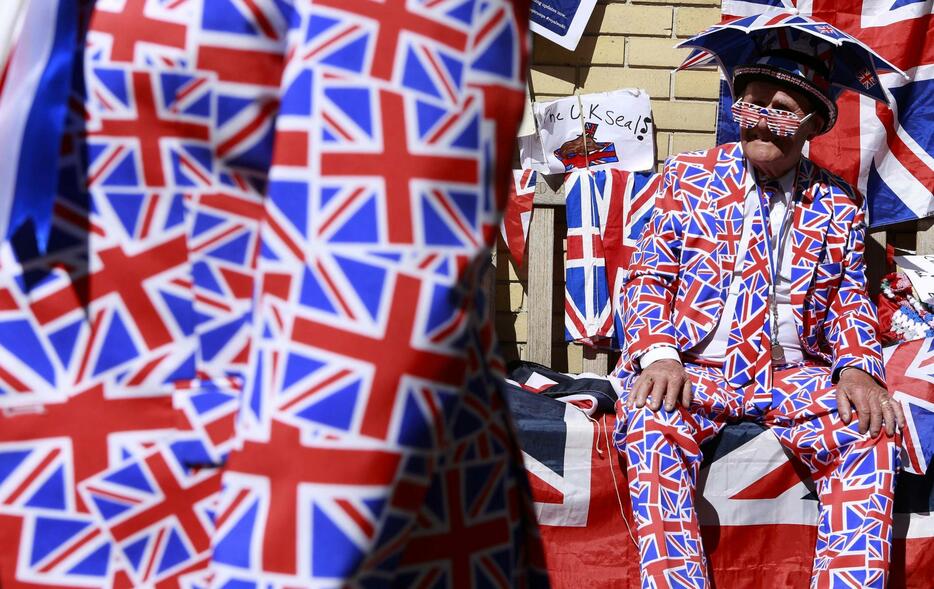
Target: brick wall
626, 44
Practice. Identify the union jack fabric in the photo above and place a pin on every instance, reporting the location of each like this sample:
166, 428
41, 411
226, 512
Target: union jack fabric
683, 266
518, 213
747, 357
853, 474
254, 350
756, 508
887, 153
606, 210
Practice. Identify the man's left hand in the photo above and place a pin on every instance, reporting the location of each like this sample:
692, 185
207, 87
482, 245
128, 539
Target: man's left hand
874, 407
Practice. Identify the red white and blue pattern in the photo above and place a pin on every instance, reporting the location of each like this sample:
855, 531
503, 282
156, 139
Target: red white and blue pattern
678, 279
756, 508
887, 153
518, 213
854, 476
606, 210
680, 273
209, 303
747, 358
910, 376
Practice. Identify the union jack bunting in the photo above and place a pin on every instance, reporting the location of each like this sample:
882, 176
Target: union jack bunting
606, 210
885, 153
207, 302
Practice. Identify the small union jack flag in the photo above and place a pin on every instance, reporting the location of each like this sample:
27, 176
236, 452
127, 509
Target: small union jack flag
866, 79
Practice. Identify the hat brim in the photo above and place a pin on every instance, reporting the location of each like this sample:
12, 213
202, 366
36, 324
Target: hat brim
826, 107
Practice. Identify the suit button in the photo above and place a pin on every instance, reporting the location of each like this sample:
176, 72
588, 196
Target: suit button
708, 325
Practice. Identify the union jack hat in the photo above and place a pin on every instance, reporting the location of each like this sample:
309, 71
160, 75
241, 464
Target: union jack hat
794, 60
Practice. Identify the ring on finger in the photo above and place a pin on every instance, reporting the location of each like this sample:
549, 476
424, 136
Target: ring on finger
885, 402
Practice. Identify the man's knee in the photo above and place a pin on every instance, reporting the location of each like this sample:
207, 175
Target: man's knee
634, 423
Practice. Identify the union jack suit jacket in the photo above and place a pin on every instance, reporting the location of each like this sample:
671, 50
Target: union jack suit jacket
681, 272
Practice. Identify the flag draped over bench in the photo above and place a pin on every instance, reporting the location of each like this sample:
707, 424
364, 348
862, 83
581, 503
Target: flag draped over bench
758, 511
606, 210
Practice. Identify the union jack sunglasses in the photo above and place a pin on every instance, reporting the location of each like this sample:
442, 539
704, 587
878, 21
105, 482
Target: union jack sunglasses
783, 123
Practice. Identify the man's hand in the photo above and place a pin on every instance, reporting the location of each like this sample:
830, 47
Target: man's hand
662, 379
873, 405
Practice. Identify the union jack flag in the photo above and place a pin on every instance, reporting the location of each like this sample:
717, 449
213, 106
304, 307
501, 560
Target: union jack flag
606, 211
758, 506
910, 374
266, 243
518, 213
885, 153
158, 513
866, 79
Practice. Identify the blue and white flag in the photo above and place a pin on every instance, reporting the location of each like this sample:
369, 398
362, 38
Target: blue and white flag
32, 115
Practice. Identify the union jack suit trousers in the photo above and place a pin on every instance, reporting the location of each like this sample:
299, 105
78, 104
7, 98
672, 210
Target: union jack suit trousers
674, 295
255, 352
854, 475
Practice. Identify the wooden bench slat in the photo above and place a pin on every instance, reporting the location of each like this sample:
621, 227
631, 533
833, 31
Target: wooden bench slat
540, 285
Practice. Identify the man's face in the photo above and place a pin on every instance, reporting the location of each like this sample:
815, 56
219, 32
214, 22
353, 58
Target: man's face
768, 152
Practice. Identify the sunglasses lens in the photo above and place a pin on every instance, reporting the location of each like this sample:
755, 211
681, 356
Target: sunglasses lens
779, 122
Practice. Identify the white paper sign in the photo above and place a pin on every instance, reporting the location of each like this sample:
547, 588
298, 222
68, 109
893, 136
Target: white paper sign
609, 129
561, 21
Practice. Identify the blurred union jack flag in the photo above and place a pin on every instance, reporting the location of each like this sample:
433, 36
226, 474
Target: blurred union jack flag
888, 154
264, 246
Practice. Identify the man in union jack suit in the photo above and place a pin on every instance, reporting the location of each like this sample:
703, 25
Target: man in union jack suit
746, 300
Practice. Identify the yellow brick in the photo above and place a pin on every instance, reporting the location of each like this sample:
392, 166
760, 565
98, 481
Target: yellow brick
682, 142
654, 52
662, 141
512, 327
603, 79
553, 79
690, 21
697, 84
684, 116
603, 49
625, 19
506, 270
575, 359
511, 298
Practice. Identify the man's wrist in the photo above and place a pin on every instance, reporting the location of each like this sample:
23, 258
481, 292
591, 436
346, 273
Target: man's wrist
659, 353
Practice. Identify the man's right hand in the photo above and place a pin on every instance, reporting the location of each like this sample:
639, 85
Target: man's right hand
662, 380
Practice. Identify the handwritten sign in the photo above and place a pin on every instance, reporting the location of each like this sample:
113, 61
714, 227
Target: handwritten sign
561, 21
609, 129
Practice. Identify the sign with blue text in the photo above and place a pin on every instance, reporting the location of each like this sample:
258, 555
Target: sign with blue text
561, 21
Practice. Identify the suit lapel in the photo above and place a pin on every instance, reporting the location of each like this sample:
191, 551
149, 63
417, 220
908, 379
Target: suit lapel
731, 180
811, 219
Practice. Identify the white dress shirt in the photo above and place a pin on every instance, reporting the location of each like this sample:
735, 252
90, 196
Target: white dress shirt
713, 347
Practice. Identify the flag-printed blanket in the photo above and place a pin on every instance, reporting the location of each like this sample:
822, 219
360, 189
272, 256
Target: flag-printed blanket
888, 154
253, 350
757, 510
606, 210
